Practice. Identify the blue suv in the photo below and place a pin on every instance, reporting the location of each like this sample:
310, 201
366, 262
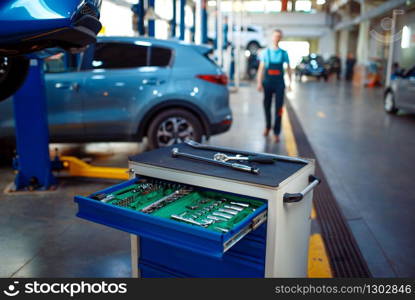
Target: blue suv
125, 89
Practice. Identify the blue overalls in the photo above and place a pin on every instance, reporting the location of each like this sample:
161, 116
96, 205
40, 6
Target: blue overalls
273, 83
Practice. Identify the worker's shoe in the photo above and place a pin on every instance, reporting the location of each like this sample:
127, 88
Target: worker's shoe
276, 139
266, 132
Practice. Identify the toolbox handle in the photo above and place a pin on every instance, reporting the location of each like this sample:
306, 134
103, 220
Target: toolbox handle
297, 197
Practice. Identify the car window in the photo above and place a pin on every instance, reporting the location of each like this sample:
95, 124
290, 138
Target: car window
410, 72
160, 57
60, 63
320, 59
250, 29
305, 60
119, 56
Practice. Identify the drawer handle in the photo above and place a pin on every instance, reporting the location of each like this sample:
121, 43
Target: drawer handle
297, 197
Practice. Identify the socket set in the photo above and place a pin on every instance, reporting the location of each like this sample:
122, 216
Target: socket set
217, 211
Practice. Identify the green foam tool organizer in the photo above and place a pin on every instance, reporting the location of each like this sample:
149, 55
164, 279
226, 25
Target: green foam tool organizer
212, 210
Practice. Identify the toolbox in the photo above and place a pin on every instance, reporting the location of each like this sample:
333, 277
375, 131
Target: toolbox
196, 219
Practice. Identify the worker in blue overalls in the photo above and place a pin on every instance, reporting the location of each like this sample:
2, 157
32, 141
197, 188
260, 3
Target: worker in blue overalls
271, 81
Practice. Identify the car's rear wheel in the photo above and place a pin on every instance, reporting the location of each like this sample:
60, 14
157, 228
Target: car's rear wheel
173, 126
13, 71
389, 103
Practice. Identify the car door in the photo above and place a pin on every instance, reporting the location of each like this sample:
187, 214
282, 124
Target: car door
119, 81
64, 99
406, 91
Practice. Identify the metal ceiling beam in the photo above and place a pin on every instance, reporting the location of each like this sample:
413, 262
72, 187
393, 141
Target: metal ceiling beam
121, 3
373, 13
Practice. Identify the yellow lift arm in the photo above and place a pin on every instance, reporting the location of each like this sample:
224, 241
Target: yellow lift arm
77, 167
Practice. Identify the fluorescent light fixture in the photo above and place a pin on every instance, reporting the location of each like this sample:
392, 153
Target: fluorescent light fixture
302, 5
212, 3
321, 2
406, 37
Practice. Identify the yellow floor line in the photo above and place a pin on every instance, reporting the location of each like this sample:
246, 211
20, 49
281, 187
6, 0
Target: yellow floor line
313, 213
318, 260
290, 144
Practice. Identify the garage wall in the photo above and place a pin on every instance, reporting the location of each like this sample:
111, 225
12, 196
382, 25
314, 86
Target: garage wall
405, 47
116, 19
327, 44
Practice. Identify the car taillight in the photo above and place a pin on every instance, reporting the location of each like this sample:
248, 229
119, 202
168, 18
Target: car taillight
219, 79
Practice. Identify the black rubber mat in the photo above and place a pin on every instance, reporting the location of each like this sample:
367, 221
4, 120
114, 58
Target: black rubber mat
345, 257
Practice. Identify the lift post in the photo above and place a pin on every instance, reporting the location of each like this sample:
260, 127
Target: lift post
151, 21
174, 20
33, 163
182, 19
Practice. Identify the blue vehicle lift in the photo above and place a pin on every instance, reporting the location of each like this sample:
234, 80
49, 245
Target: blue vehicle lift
182, 19
34, 168
151, 23
138, 10
32, 163
204, 23
173, 23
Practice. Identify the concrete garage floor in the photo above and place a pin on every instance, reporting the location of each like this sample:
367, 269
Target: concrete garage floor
365, 154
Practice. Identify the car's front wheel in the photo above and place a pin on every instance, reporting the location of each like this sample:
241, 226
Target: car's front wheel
389, 103
173, 126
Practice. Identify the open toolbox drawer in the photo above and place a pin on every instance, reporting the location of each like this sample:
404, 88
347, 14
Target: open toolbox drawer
134, 206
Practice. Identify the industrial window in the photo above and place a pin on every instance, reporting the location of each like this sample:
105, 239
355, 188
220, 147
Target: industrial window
119, 56
160, 57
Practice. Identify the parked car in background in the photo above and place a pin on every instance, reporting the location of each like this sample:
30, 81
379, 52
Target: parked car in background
334, 66
125, 89
312, 65
30, 26
400, 93
251, 38
252, 65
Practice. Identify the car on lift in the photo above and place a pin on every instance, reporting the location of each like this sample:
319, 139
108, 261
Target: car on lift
251, 38
125, 89
30, 26
400, 93
312, 65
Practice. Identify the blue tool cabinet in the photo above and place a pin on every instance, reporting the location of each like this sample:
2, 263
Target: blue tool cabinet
245, 259
271, 242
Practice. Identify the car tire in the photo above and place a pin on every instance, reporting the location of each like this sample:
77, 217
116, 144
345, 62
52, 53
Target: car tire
253, 47
7, 152
173, 126
252, 73
13, 72
389, 103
